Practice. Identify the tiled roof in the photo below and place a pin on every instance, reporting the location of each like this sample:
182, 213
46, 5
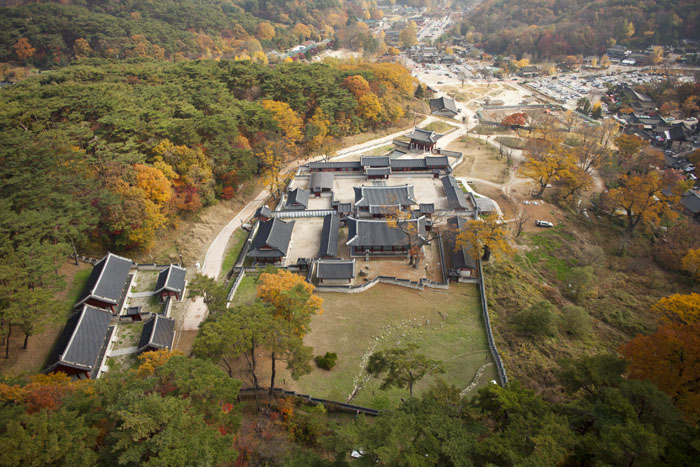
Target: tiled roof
82, 339
374, 161
368, 233
485, 204
272, 239
335, 165
436, 162
455, 195
376, 171
443, 104
424, 136
383, 195
297, 197
461, 258
263, 211
172, 279
321, 180
107, 280
335, 269
426, 208
329, 236
158, 333
691, 201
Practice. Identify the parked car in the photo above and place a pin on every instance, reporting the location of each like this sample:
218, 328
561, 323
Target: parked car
541, 223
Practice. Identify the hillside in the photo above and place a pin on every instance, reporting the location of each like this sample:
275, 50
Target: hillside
548, 29
60, 32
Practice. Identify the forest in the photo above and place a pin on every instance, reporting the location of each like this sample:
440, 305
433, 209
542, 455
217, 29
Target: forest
59, 32
576, 27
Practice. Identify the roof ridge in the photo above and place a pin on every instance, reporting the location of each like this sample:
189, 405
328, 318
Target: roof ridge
153, 331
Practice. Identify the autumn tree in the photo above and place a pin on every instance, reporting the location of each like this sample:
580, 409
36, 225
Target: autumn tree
628, 145
547, 166
691, 263
407, 36
642, 201
81, 47
302, 31
484, 237
670, 358
678, 308
289, 123
265, 31
514, 120
403, 367
416, 237
23, 49
294, 305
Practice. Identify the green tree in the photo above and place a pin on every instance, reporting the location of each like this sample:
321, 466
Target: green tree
539, 319
579, 280
576, 321
403, 367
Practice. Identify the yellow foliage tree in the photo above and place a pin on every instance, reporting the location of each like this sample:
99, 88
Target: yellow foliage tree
81, 47
641, 199
287, 119
152, 360
548, 167
369, 107
484, 237
302, 30
408, 35
679, 308
265, 31
691, 263
291, 296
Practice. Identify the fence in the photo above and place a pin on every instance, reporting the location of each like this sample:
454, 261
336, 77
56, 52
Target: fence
489, 334
330, 405
232, 292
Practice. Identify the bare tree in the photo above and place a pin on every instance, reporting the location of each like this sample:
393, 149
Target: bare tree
520, 220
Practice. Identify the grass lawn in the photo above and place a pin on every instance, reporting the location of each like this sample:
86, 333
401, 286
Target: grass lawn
246, 292
510, 142
73, 293
380, 151
145, 281
447, 326
439, 126
490, 130
235, 245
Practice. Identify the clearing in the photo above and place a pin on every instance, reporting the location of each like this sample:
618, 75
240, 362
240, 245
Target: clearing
447, 326
481, 160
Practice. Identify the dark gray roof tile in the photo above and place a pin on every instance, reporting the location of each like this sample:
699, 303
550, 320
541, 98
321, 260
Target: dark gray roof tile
171, 279
107, 280
329, 236
272, 239
335, 269
158, 333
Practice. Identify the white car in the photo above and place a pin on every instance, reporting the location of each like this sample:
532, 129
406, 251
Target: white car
540, 223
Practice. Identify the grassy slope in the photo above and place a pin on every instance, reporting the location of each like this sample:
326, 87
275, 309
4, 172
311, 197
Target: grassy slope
623, 289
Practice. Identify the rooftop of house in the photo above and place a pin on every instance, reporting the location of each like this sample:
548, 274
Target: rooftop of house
424, 136
107, 280
171, 279
461, 257
329, 236
321, 180
80, 343
378, 233
455, 195
272, 239
366, 196
374, 161
263, 211
335, 269
158, 333
442, 104
299, 197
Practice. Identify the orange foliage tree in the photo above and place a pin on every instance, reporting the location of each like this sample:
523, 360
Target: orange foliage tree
42, 392
291, 296
515, 119
23, 49
670, 358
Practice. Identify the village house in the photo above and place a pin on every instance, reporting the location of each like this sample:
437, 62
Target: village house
271, 241
335, 271
444, 106
107, 285
171, 282
321, 182
80, 347
158, 333
462, 264
377, 237
423, 139
297, 200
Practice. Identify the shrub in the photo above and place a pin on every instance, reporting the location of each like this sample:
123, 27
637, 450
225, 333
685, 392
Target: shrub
326, 362
580, 280
537, 320
576, 321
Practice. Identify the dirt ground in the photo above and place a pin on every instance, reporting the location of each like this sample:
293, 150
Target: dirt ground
426, 189
480, 160
306, 239
30, 361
